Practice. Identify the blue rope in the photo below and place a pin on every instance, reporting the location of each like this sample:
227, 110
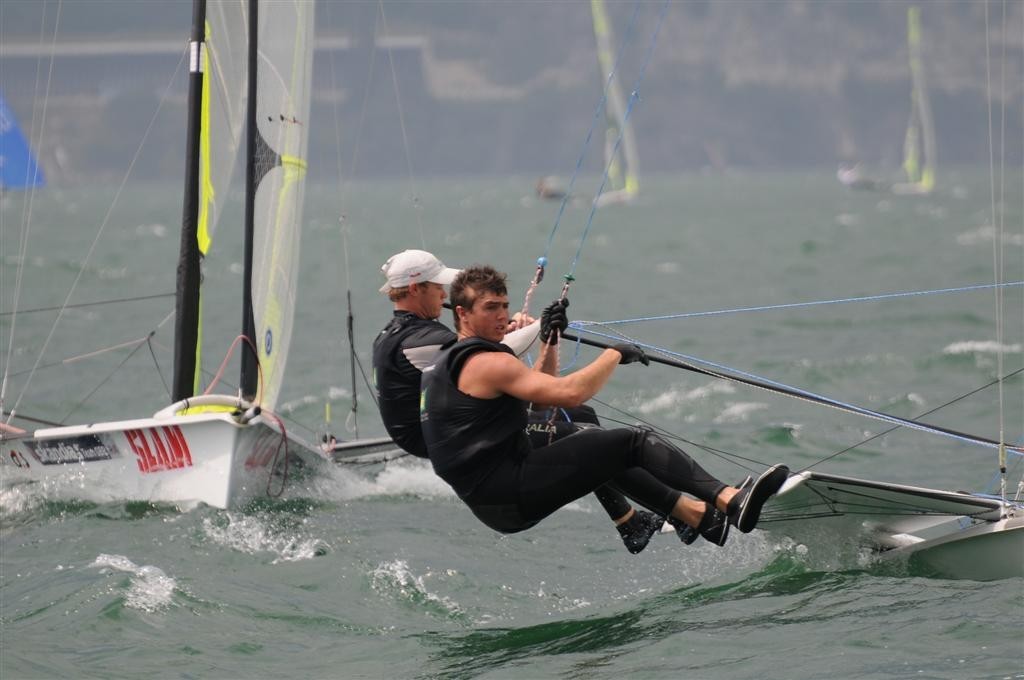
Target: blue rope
590, 133
579, 325
853, 408
633, 97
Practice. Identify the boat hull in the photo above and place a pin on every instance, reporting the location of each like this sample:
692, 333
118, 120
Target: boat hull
986, 551
211, 458
948, 534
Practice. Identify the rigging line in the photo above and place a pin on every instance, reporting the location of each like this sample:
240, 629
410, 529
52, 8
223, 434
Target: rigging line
728, 456
27, 211
89, 304
598, 113
366, 381
997, 225
917, 417
345, 187
156, 363
795, 305
726, 373
104, 350
405, 136
31, 419
103, 224
104, 381
633, 97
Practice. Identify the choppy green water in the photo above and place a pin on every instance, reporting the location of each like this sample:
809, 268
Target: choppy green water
389, 576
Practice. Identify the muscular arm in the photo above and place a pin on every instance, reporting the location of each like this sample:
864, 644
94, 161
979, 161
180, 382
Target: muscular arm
487, 375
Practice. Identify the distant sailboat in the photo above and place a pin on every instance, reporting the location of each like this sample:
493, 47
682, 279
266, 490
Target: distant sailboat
621, 162
919, 147
919, 143
18, 168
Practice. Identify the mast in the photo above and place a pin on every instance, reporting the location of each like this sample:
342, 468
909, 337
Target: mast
248, 382
186, 323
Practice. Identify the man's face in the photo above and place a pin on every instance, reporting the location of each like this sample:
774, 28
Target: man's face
487, 318
429, 297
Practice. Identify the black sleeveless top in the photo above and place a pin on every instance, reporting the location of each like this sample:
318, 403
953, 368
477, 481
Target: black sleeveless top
467, 436
397, 381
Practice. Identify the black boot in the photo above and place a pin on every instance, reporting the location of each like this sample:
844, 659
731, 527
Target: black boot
745, 507
636, 531
713, 527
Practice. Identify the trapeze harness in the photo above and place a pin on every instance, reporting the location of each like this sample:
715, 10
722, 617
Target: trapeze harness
480, 448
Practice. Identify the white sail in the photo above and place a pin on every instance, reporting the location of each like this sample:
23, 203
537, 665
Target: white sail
224, 99
284, 71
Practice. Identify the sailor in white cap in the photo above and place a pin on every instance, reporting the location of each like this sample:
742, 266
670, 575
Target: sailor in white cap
414, 338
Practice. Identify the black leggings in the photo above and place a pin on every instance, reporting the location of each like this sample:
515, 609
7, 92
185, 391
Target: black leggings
521, 492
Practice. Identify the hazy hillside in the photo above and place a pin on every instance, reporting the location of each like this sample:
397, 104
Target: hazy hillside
511, 87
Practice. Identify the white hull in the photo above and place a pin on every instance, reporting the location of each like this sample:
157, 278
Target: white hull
211, 458
941, 533
985, 551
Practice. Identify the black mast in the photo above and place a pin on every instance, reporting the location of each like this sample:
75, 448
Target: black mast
186, 322
250, 361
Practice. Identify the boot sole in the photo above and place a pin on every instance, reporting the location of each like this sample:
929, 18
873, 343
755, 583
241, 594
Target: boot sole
770, 481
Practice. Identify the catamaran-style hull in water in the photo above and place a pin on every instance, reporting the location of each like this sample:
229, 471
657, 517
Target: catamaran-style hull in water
941, 533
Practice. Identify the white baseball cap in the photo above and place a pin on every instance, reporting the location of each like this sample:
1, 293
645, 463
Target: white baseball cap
415, 266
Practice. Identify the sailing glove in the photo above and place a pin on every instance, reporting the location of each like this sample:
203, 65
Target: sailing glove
631, 353
553, 318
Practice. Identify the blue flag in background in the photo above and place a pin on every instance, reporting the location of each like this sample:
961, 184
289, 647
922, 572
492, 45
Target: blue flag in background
18, 169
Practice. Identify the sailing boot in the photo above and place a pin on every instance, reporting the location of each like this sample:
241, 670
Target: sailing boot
714, 525
744, 509
636, 531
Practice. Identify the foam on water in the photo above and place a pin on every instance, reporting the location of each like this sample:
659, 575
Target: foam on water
149, 589
985, 235
18, 499
981, 347
674, 399
254, 534
404, 476
737, 413
395, 580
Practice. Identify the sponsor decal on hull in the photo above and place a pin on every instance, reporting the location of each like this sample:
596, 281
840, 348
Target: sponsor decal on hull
85, 448
159, 448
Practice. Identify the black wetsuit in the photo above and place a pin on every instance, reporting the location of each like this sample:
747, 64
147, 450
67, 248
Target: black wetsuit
396, 378
397, 381
479, 447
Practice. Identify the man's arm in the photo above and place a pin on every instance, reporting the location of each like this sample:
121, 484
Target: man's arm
521, 339
488, 375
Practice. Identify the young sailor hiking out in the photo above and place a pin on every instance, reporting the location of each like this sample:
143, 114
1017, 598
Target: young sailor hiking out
414, 338
474, 413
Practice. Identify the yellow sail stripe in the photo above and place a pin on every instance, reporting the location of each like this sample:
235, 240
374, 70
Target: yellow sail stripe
206, 184
294, 170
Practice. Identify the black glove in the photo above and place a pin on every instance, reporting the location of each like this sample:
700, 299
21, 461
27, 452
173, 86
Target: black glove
631, 353
553, 318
